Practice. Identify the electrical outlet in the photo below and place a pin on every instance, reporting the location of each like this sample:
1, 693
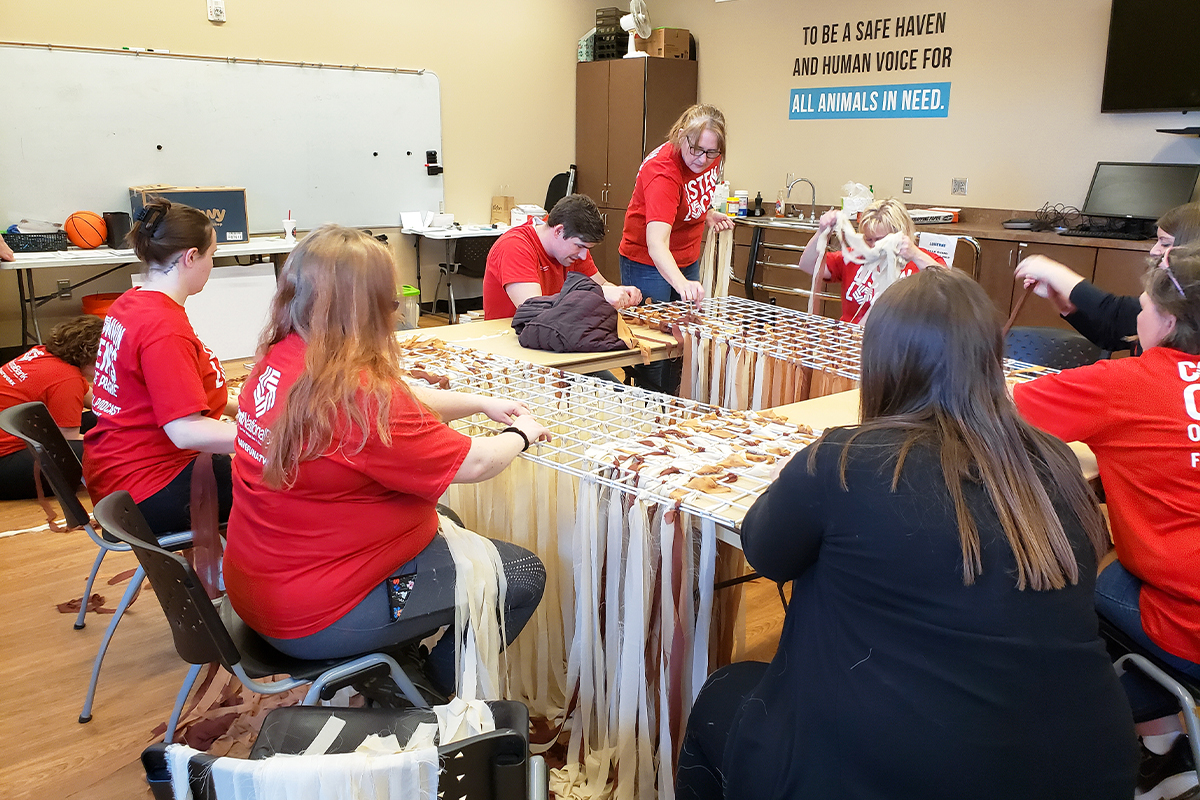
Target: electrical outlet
64, 289
958, 186
907, 186
216, 10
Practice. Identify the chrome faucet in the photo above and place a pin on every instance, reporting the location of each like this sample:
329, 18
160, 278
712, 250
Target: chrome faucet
790, 183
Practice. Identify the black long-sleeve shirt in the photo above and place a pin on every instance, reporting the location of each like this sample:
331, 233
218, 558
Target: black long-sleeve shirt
1104, 319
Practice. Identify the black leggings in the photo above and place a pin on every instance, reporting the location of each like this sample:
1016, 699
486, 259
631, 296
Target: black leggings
428, 605
169, 510
16, 474
703, 751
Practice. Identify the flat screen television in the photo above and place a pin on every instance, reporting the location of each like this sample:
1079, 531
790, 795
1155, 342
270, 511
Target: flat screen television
1152, 56
1139, 191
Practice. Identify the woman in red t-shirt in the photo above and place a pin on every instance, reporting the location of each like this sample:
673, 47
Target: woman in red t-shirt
159, 392
881, 218
664, 224
333, 544
1141, 417
56, 374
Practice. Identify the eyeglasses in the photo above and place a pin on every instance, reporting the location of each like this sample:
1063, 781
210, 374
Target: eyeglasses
697, 152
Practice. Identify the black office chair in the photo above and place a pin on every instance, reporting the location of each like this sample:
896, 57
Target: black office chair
207, 631
470, 260
1127, 653
33, 424
1057, 348
560, 186
492, 765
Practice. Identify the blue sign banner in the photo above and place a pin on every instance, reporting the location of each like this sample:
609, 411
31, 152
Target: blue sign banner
871, 102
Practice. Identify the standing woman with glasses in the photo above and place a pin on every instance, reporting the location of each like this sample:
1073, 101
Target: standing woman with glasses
159, 392
1141, 417
664, 226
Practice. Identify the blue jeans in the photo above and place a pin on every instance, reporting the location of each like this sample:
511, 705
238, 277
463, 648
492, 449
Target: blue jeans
662, 376
1117, 595
647, 278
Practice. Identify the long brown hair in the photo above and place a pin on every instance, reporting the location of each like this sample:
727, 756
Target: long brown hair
695, 121
1175, 290
337, 290
931, 366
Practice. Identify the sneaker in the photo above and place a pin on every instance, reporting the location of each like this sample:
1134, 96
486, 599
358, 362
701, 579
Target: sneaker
1171, 776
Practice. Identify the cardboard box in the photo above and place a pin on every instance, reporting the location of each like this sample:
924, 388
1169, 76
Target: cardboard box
669, 43
224, 205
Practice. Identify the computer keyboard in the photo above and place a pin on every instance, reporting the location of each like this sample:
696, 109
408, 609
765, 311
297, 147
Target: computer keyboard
1102, 234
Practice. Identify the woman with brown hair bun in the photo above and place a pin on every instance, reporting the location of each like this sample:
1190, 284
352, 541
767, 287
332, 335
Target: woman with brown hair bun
57, 374
334, 546
940, 640
159, 392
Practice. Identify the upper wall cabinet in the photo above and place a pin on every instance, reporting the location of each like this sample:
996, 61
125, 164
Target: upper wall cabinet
624, 108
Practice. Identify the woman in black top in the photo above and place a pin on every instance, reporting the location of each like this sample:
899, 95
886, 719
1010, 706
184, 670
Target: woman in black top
1106, 320
941, 640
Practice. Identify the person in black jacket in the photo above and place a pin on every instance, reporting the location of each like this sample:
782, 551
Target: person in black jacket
941, 639
1106, 320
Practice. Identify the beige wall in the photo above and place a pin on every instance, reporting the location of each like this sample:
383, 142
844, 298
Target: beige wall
1024, 125
506, 71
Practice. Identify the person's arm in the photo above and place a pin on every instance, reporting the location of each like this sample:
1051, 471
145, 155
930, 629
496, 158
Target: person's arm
815, 249
456, 405
915, 255
520, 292
489, 455
658, 245
1073, 404
718, 221
782, 531
1050, 280
6, 253
1105, 319
198, 432
71, 433
619, 296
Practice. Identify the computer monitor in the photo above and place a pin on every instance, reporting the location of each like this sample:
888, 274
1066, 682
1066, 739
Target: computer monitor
1139, 191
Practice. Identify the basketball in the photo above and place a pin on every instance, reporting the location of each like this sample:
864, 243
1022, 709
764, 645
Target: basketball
86, 229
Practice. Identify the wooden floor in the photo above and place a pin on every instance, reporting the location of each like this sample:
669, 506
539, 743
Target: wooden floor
45, 665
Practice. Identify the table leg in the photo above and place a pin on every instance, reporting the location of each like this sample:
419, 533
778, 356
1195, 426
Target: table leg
29, 296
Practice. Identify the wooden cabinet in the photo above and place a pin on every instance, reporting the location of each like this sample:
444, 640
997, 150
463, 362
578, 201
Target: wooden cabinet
998, 261
624, 108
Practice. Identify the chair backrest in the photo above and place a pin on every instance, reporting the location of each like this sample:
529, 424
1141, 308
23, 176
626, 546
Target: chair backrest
33, 424
1051, 347
200, 636
960, 252
560, 186
470, 254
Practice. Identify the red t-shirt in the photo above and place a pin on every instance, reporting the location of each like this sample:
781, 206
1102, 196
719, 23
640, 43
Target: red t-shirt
856, 295
151, 369
1141, 417
518, 257
299, 558
35, 376
667, 191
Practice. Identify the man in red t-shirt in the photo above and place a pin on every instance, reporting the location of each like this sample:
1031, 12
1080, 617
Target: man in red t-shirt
532, 260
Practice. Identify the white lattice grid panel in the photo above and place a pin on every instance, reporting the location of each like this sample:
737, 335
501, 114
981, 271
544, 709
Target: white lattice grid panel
585, 414
811, 340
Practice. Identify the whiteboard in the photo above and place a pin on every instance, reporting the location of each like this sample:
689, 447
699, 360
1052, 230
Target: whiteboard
328, 144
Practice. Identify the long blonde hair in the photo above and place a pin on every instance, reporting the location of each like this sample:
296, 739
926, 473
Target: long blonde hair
931, 367
337, 291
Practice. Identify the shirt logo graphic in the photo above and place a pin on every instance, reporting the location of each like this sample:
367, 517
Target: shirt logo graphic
264, 391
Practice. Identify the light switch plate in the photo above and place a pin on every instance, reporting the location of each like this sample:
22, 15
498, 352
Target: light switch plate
216, 10
908, 185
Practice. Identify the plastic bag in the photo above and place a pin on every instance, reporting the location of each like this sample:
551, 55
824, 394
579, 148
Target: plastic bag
856, 197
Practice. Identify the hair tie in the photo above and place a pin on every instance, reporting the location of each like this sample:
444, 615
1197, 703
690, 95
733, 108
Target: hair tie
151, 217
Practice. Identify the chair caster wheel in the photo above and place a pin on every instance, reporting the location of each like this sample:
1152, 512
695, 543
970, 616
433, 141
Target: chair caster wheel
83, 719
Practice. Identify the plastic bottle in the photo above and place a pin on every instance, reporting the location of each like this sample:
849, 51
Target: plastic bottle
758, 212
731, 206
779, 204
743, 200
720, 195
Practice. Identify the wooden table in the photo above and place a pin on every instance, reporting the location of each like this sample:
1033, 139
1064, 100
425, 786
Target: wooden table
496, 336
842, 409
